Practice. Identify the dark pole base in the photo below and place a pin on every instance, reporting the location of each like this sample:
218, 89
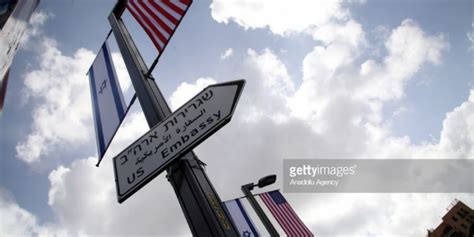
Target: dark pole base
198, 199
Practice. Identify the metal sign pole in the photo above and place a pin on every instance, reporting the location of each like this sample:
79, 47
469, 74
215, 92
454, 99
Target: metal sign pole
199, 201
260, 213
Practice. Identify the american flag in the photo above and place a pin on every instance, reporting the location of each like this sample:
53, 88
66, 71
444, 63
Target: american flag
159, 18
284, 214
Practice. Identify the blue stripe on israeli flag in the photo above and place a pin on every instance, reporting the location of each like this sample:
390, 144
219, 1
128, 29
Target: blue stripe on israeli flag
114, 83
240, 218
107, 100
97, 123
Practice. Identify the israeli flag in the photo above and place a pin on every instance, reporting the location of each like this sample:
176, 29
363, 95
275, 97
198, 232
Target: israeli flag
240, 218
108, 104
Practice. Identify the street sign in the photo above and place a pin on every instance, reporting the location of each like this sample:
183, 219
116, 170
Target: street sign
178, 134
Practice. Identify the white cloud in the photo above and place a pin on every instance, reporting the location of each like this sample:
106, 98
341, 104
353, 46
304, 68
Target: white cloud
334, 86
350, 31
280, 16
59, 90
268, 85
34, 29
228, 53
56, 180
457, 136
79, 190
409, 44
62, 111
409, 48
16, 221
186, 91
387, 214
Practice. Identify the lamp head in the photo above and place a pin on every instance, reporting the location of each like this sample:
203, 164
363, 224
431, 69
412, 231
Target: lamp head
267, 180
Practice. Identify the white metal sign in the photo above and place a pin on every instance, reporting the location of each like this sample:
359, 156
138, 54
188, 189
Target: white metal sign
178, 134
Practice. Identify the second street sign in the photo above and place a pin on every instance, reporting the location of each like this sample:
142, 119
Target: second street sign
178, 134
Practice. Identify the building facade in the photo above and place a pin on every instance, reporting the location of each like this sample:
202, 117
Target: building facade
457, 222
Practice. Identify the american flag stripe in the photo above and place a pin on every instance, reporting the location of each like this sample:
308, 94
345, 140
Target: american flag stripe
156, 30
174, 7
145, 27
287, 226
288, 221
284, 214
294, 223
283, 208
301, 224
158, 18
301, 227
153, 22
165, 13
283, 220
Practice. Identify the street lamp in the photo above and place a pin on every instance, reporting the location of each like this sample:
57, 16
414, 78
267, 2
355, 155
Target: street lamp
265, 181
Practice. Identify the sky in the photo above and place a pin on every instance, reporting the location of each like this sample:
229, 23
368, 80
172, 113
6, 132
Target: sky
324, 79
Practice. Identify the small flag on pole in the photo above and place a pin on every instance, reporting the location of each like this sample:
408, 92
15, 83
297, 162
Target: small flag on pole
241, 219
108, 104
159, 18
284, 214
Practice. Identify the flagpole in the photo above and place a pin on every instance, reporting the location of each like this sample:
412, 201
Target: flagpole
246, 189
199, 201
